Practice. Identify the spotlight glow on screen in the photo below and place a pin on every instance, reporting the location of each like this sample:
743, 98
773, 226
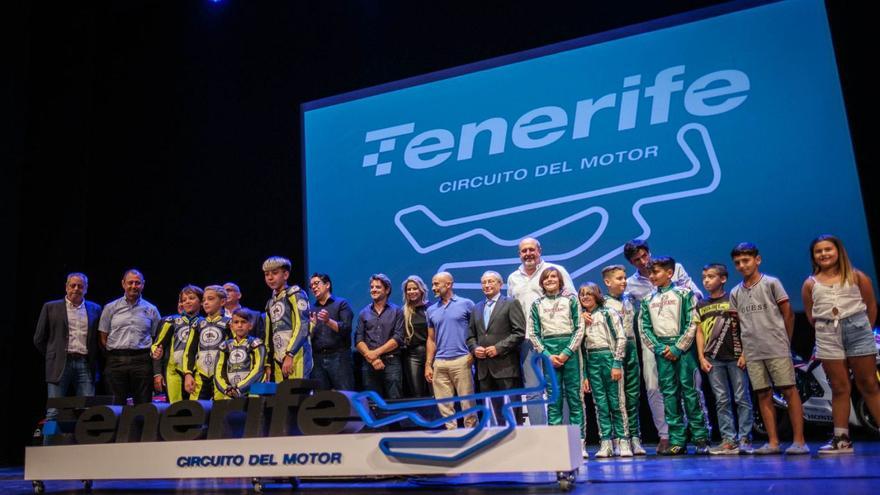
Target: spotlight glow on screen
694, 133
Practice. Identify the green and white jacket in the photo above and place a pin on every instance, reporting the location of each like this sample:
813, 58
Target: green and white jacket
669, 313
556, 317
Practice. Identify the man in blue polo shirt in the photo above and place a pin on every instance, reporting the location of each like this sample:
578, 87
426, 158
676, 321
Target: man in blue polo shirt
448, 361
126, 329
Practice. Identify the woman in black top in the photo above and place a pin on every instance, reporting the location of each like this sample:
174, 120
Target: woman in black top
415, 329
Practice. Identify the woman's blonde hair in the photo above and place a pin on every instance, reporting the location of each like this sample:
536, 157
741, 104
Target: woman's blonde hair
408, 308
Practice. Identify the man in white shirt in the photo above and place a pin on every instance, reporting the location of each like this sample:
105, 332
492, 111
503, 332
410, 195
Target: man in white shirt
524, 286
67, 334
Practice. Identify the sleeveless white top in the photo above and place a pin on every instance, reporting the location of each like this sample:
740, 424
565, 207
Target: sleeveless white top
834, 302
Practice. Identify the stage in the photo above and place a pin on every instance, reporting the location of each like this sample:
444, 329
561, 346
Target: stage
805, 475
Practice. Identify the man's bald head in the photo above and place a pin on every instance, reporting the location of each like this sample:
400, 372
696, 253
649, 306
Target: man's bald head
441, 285
530, 254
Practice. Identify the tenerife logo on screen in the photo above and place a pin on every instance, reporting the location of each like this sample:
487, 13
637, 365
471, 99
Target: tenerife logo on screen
710, 94
559, 199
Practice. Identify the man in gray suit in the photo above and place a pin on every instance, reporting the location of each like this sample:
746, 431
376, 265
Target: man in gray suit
496, 330
67, 334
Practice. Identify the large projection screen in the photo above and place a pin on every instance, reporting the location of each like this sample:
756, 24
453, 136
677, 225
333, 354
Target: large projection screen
694, 133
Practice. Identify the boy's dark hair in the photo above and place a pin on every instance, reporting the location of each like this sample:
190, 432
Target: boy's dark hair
323, 277
246, 314
546, 273
632, 247
664, 262
744, 248
721, 268
192, 289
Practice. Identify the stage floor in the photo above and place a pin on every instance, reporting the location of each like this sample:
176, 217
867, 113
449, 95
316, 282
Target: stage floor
691, 475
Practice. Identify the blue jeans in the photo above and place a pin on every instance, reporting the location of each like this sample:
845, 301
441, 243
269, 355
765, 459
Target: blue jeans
76, 374
333, 370
388, 382
537, 412
723, 375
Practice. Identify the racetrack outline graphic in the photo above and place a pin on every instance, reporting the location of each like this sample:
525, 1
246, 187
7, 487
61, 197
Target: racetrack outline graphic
396, 446
593, 210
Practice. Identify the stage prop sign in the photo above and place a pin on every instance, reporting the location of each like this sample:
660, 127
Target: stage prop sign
297, 431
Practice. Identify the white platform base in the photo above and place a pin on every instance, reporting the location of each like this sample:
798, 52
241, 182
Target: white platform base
527, 449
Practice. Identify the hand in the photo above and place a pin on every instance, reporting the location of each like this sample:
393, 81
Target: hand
189, 384
287, 366
667, 353
267, 374
705, 364
554, 360
429, 373
587, 388
741, 362
158, 382
563, 358
157, 354
313, 318
378, 365
480, 352
371, 356
588, 317
233, 392
323, 316
491, 351
616, 374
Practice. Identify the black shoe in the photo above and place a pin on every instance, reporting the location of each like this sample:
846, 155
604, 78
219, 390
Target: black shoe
837, 445
702, 447
675, 450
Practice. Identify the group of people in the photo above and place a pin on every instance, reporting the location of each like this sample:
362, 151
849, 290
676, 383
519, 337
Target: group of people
450, 347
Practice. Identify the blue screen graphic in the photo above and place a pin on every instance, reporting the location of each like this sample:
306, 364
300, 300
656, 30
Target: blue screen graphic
694, 134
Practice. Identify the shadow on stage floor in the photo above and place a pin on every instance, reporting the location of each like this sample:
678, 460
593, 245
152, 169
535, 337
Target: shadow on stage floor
691, 475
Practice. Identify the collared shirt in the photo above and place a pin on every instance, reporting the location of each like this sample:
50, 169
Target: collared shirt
527, 288
375, 329
129, 326
323, 337
228, 312
488, 308
450, 324
640, 287
77, 326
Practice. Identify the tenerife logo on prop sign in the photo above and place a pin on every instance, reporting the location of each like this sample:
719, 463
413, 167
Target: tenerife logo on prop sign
293, 408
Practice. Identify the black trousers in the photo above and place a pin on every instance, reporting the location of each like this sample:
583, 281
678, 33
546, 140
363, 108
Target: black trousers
490, 383
130, 374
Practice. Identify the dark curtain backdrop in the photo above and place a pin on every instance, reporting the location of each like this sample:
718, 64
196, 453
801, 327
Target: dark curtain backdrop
166, 135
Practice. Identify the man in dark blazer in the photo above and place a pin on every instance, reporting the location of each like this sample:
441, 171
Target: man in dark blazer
67, 334
496, 330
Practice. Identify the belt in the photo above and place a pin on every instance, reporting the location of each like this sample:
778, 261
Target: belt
76, 355
329, 351
127, 352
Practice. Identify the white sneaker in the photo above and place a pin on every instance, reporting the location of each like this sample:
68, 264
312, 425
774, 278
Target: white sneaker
637, 448
625, 449
584, 452
606, 450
